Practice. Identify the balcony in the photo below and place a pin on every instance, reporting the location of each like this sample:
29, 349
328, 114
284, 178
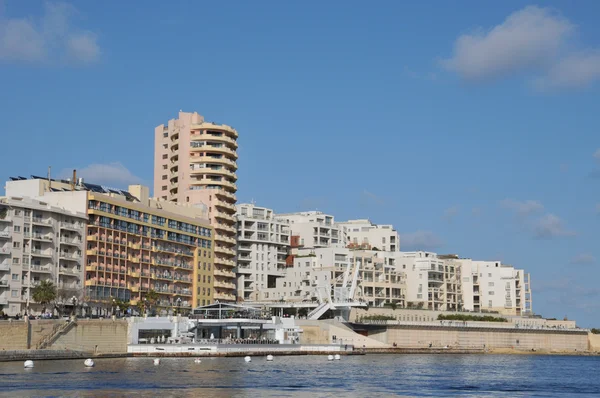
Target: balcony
224, 250
69, 256
69, 271
224, 227
42, 253
4, 265
5, 234
224, 273
213, 171
39, 237
205, 136
44, 222
224, 285
72, 226
70, 241
224, 262
210, 159
224, 296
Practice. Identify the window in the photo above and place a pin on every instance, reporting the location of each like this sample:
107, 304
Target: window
490, 303
490, 284
164, 177
383, 240
14, 293
164, 166
15, 260
490, 275
17, 228
165, 146
17, 212
164, 188
166, 134
466, 279
15, 277
16, 245
165, 156
490, 293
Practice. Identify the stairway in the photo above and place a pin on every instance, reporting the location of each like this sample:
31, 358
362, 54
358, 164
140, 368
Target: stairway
319, 311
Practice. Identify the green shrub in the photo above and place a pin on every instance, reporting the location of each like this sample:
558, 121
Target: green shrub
378, 318
464, 317
595, 331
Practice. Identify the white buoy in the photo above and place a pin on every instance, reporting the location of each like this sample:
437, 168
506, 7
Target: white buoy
269, 357
197, 360
156, 361
337, 357
330, 357
248, 359
89, 363
28, 364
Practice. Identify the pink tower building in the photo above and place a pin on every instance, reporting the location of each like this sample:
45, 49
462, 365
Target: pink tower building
195, 162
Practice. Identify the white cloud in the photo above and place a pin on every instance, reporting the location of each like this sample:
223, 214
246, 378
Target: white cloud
574, 71
83, 48
111, 174
583, 259
550, 226
451, 212
528, 38
50, 38
420, 240
522, 208
533, 40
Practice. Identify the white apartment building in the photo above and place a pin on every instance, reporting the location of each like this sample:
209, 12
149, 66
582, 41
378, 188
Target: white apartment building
364, 234
370, 276
38, 242
493, 286
263, 244
431, 282
313, 228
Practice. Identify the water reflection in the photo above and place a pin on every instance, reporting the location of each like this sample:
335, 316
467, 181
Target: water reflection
371, 375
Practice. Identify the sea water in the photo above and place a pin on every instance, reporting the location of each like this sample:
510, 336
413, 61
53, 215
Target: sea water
304, 376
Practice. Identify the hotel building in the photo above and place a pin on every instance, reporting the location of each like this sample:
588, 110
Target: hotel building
263, 244
134, 244
38, 242
195, 163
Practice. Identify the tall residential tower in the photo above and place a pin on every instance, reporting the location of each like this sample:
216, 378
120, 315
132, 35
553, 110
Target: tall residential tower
195, 163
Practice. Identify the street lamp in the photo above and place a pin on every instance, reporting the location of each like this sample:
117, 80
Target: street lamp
178, 304
74, 301
114, 303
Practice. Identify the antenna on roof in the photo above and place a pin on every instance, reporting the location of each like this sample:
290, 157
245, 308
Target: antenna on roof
49, 179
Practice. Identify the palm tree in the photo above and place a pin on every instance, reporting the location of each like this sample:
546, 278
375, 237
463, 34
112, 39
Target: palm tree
44, 293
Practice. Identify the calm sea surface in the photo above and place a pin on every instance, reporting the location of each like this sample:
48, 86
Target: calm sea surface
300, 376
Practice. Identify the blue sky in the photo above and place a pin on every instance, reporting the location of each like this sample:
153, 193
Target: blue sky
473, 128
